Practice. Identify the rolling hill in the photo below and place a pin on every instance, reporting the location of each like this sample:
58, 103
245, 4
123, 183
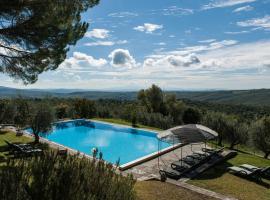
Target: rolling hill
260, 97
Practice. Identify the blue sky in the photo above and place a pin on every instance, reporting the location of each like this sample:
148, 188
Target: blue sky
177, 44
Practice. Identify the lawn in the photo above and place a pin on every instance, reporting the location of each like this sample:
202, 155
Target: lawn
148, 190
219, 180
11, 137
124, 122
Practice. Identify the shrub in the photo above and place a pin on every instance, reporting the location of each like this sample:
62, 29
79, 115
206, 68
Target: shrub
52, 177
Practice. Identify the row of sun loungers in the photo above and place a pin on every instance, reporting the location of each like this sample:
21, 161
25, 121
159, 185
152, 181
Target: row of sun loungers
23, 149
250, 171
184, 165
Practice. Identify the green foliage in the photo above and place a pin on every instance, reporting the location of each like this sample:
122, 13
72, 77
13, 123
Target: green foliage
191, 116
61, 110
22, 112
261, 135
52, 177
235, 131
152, 98
84, 108
35, 35
41, 120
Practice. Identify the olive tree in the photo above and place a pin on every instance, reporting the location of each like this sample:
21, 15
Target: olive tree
41, 120
260, 133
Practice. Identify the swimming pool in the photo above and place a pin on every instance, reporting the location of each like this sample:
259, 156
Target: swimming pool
114, 141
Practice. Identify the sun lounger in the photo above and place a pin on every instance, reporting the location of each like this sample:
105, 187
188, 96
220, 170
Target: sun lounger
265, 171
23, 149
245, 172
171, 173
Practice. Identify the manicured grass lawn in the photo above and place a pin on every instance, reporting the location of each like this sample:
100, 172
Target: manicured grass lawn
155, 190
124, 122
219, 180
11, 137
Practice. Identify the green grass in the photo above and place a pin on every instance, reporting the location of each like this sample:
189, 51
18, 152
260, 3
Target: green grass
124, 122
219, 180
11, 137
156, 190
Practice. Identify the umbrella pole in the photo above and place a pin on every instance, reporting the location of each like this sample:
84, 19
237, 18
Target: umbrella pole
181, 156
158, 155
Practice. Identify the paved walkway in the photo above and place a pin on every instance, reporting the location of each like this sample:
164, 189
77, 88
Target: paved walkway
151, 168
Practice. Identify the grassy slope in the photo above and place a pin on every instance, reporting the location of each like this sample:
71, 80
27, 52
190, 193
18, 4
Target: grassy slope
217, 179
153, 190
124, 122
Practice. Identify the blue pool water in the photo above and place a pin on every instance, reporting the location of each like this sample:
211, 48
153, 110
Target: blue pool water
115, 142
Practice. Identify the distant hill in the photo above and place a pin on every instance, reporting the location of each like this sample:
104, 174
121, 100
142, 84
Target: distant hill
247, 97
260, 97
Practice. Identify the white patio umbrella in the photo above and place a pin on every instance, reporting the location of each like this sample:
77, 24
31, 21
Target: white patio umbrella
186, 134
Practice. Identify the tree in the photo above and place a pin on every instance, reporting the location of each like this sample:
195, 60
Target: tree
7, 112
217, 122
35, 35
61, 110
175, 108
22, 112
260, 133
236, 132
152, 98
41, 120
84, 108
191, 116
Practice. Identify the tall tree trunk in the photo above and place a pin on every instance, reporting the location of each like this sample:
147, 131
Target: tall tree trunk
219, 140
36, 138
266, 155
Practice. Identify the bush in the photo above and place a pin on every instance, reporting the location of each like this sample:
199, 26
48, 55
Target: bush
71, 178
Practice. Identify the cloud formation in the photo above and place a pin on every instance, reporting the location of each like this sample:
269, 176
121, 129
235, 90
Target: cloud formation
176, 11
81, 61
106, 43
263, 23
244, 8
122, 58
225, 3
148, 28
98, 33
123, 14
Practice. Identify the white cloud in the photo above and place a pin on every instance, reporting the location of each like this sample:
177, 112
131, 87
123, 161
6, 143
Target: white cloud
148, 28
121, 58
244, 8
123, 14
81, 61
98, 33
172, 61
106, 43
242, 56
263, 23
161, 43
236, 32
225, 3
207, 41
176, 11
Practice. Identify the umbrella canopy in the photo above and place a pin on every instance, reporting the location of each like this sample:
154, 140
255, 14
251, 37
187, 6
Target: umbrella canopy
191, 133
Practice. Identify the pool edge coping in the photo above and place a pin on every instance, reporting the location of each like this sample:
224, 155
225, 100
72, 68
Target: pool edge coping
122, 167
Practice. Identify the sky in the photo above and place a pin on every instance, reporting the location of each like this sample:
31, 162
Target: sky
176, 44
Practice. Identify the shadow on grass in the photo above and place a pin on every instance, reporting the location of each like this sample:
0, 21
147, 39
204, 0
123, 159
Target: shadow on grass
221, 169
